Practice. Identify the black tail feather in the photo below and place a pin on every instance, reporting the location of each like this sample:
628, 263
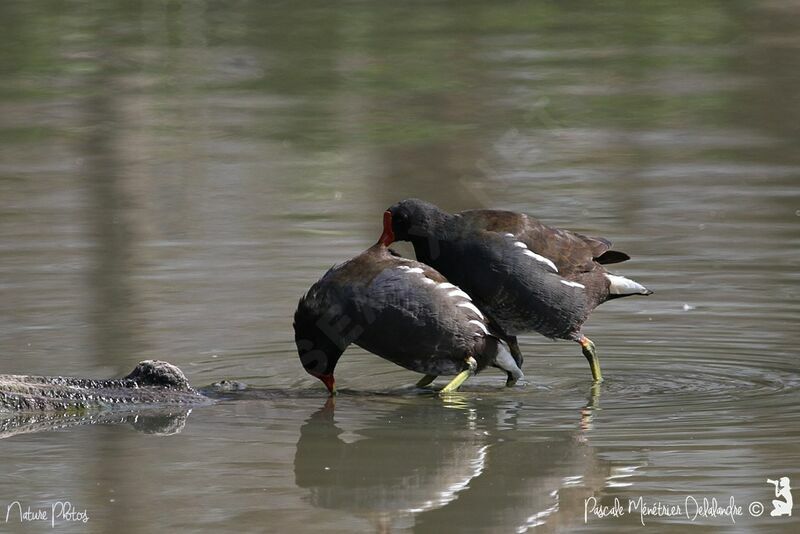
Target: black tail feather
611, 256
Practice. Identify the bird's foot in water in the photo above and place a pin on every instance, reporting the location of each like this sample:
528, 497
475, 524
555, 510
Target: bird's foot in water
461, 377
512, 380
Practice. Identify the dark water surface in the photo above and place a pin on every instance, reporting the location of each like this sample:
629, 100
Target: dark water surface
173, 176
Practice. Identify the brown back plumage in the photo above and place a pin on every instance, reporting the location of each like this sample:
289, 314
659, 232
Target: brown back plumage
572, 252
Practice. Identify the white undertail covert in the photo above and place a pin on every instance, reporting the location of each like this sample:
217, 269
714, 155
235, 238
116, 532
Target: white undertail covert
625, 286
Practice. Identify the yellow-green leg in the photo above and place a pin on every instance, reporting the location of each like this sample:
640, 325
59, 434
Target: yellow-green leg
425, 380
461, 377
591, 355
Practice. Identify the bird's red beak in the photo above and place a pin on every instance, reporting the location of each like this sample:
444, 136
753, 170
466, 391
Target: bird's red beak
329, 382
387, 237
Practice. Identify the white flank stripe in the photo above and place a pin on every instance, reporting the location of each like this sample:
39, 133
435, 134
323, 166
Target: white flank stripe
520, 244
478, 323
447, 285
415, 270
572, 284
458, 293
509, 235
624, 286
470, 306
427, 280
542, 259
403, 267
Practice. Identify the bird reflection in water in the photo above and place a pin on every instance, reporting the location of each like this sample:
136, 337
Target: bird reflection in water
413, 463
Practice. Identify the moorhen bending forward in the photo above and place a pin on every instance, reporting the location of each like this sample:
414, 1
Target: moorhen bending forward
401, 310
523, 274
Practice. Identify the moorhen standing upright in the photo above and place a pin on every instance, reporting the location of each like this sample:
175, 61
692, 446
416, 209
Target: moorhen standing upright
401, 310
523, 274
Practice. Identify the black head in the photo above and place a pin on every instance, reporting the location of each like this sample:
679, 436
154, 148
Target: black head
319, 348
413, 218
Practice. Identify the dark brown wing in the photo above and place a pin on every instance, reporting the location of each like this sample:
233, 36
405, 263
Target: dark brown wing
570, 251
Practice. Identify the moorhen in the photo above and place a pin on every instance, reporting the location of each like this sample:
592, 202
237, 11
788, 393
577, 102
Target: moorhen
524, 275
401, 310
